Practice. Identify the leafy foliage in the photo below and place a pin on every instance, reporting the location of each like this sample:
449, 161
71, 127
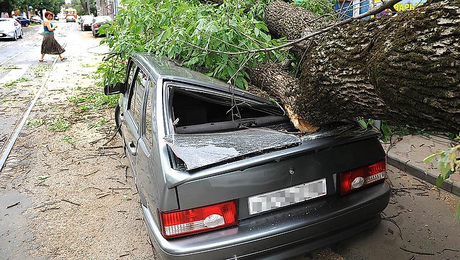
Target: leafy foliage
384, 127
10, 5
320, 7
201, 36
82, 7
448, 163
410, 130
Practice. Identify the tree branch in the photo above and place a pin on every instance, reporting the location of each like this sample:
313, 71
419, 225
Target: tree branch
384, 6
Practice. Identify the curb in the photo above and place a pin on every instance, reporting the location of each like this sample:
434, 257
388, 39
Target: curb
448, 185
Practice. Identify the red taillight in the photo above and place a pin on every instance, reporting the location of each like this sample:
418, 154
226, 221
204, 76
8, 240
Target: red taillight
362, 177
197, 220
95, 25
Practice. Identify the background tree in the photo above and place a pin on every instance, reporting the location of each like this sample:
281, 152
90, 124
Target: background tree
10, 5
82, 6
7, 6
51, 5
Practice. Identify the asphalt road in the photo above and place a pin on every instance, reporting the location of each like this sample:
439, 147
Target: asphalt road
417, 224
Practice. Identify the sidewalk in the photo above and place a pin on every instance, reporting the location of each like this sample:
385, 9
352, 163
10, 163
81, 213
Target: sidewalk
407, 153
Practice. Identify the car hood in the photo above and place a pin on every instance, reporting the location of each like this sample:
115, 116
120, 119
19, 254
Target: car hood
6, 27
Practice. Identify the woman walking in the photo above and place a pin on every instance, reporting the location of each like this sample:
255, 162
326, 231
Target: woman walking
49, 44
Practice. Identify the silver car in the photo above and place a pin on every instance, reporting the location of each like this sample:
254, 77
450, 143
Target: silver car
222, 173
36, 19
10, 29
85, 22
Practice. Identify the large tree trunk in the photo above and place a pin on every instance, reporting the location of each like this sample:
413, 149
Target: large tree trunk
84, 6
404, 68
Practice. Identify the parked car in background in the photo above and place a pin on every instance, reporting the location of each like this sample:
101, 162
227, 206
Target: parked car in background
36, 19
10, 29
59, 17
223, 174
99, 21
22, 20
85, 22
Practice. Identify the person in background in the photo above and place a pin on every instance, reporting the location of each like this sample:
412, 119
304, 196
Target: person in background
49, 44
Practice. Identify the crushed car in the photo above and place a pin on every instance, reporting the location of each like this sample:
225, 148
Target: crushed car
222, 173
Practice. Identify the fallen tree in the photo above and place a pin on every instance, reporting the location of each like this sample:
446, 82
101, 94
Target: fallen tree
404, 68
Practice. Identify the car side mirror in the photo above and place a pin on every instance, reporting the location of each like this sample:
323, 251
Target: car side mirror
119, 88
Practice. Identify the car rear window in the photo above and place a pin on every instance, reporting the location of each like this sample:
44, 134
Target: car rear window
200, 111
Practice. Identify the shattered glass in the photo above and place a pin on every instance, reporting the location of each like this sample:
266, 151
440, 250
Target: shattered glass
199, 150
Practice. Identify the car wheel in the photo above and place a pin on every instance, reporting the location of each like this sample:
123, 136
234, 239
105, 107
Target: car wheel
118, 119
22, 34
94, 34
154, 250
27, 25
15, 36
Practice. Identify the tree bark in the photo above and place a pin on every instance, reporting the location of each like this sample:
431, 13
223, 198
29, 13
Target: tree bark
84, 6
404, 68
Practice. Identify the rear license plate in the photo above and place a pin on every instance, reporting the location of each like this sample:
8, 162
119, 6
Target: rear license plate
285, 197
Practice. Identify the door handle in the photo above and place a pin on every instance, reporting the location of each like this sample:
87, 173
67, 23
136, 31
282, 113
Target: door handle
121, 116
132, 148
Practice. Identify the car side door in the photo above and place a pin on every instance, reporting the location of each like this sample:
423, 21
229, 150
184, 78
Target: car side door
146, 178
131, 127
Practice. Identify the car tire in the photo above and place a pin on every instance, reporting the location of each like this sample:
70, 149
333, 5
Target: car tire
154, 251
118, 120
21, 35
94, 34
15, 36
27, 25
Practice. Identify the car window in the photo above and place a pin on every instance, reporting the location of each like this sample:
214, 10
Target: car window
149, 111
199, 110
132, 70
140, 83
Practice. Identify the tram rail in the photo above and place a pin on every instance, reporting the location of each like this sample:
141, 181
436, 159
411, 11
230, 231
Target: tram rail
8, 144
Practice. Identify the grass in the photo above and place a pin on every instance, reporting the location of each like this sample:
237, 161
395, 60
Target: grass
86, 65
93, 100
100, 124
14, 82
68, 139
9, 67
58, 124
52, 125
35, 122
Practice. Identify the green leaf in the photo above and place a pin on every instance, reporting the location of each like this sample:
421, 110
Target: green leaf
43, 177
256, 31
458, 211
362, 122
448, 174
439, 181
429, 158
385, 129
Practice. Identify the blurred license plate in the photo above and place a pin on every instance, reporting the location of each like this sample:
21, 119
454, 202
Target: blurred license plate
285, 197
